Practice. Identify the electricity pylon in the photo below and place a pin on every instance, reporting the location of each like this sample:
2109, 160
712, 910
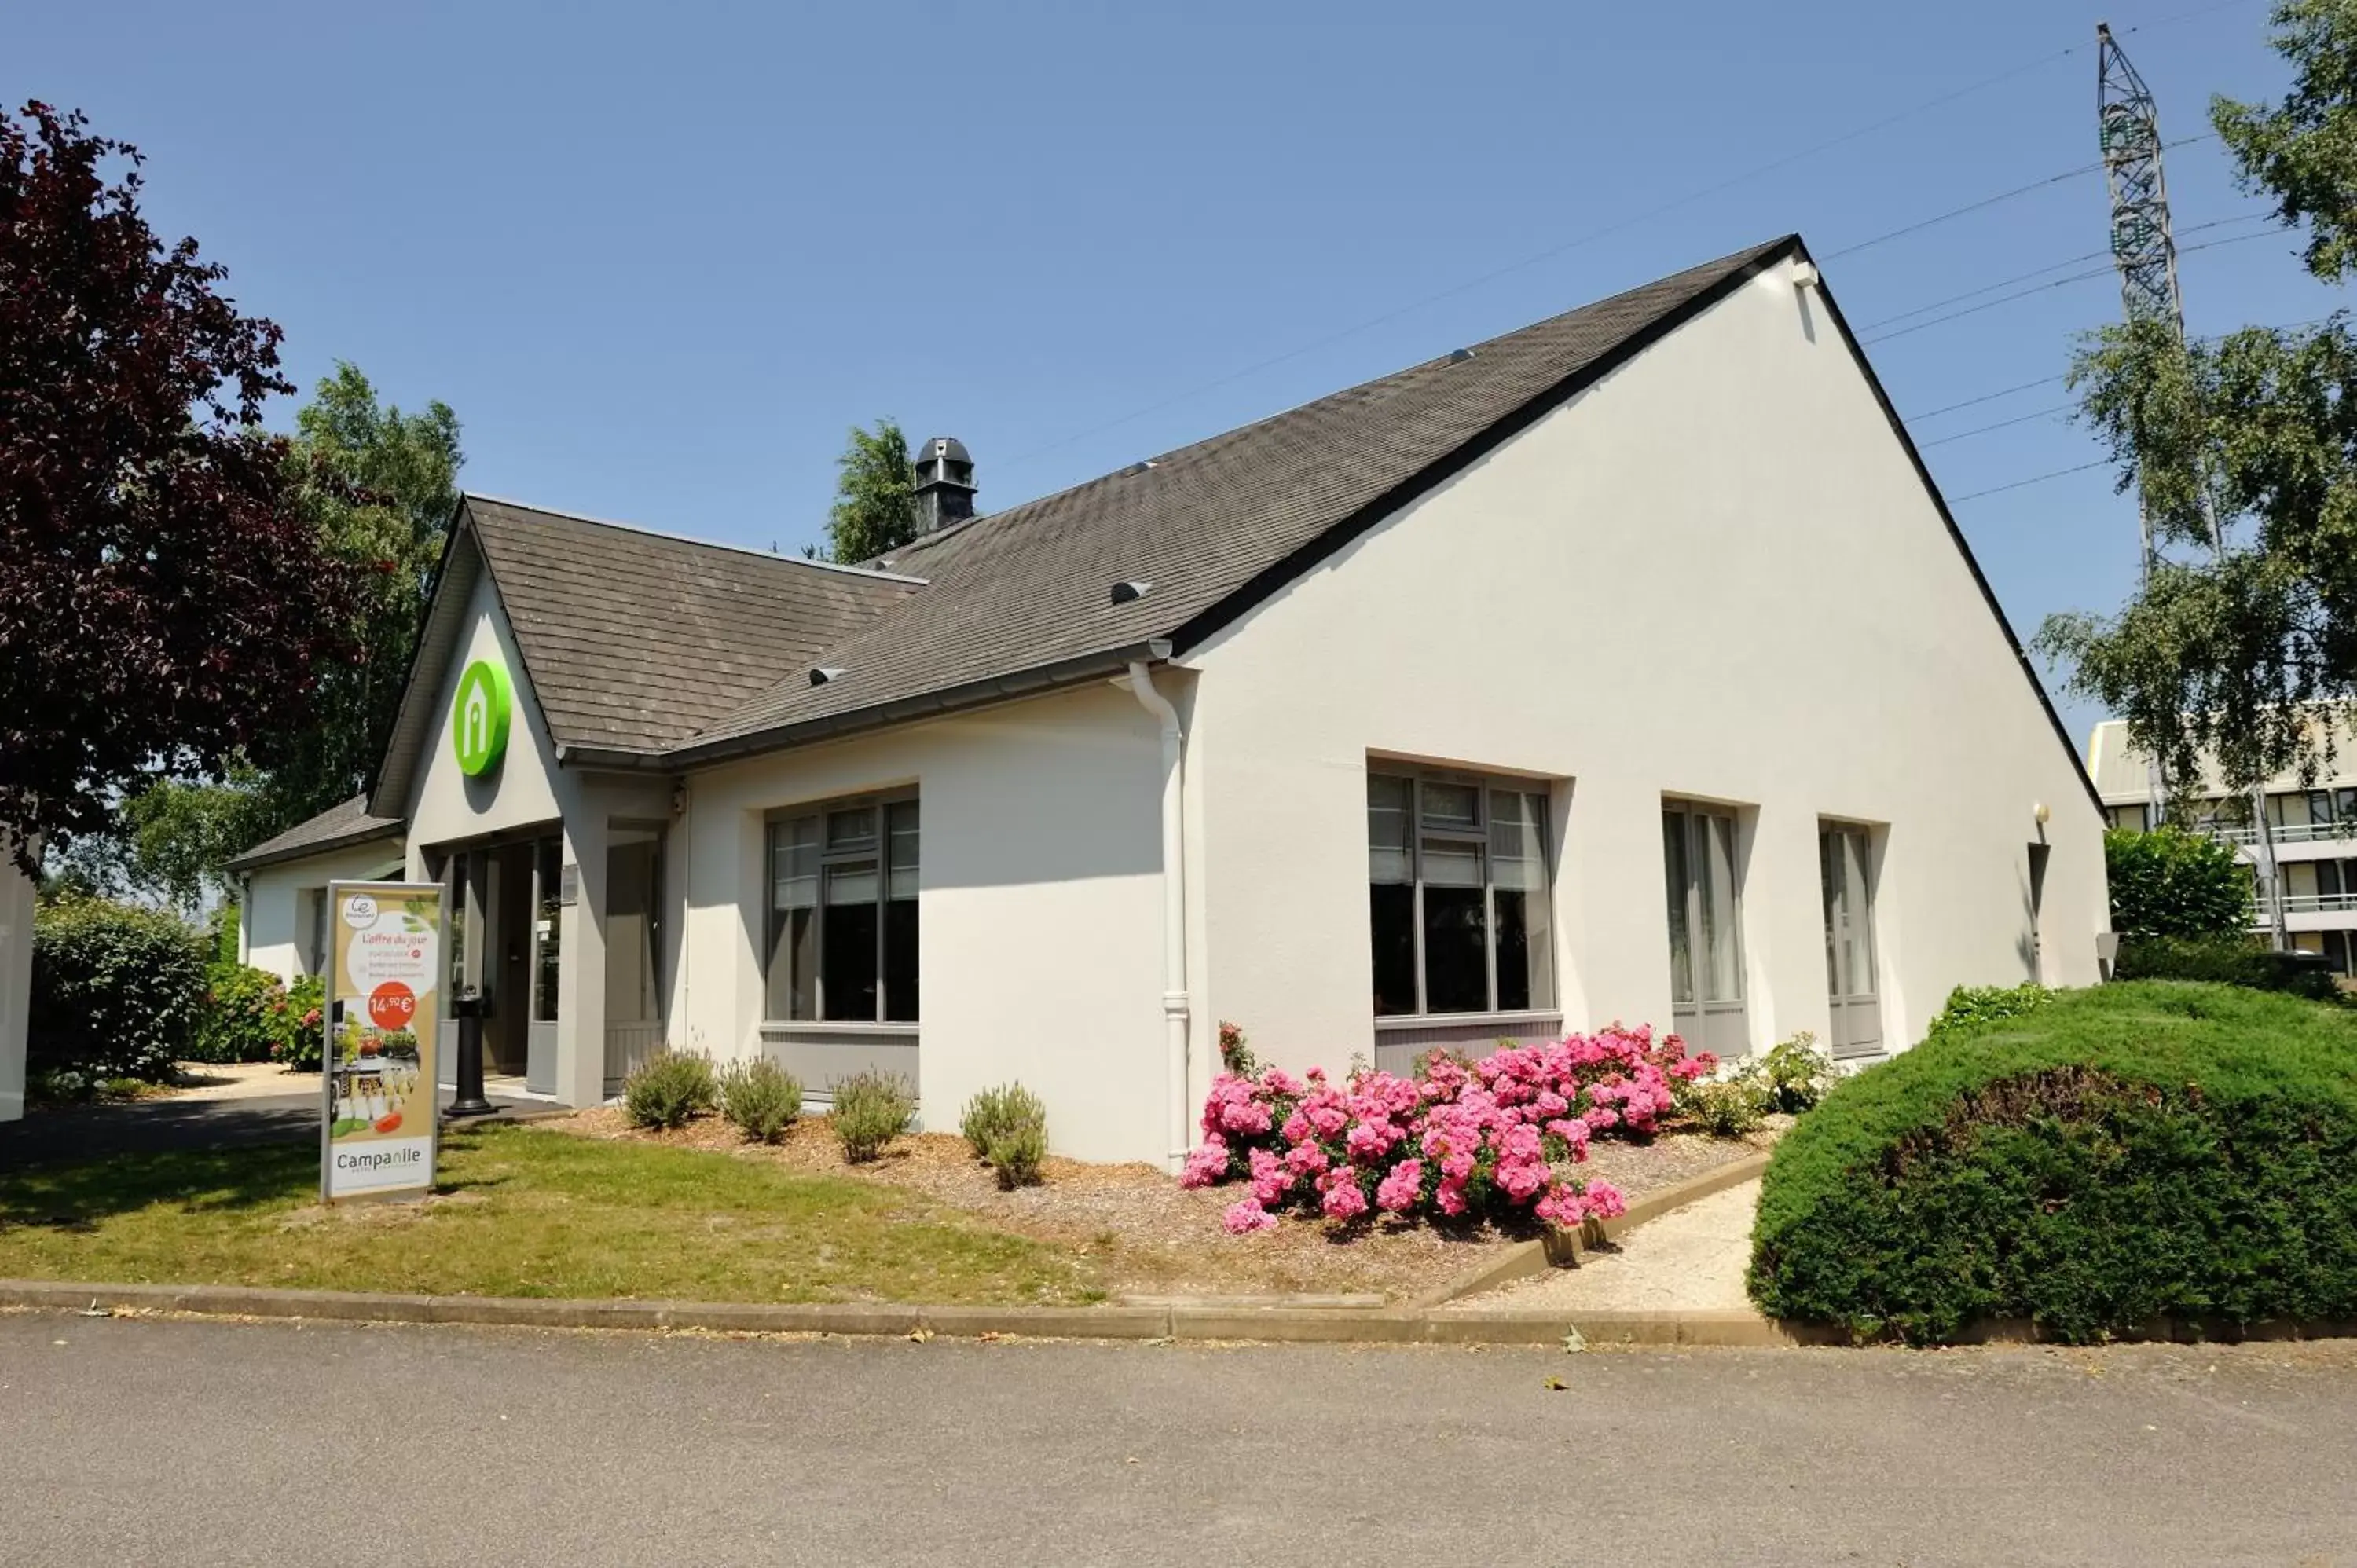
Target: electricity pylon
2145, 251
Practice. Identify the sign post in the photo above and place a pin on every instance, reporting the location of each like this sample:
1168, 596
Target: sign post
378, 1132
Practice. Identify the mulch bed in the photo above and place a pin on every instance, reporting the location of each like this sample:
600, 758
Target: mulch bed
1145, 1235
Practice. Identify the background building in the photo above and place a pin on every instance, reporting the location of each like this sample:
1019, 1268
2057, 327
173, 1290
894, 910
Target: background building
2313, 825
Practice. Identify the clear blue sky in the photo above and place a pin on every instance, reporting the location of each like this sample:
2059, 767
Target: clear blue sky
659, 258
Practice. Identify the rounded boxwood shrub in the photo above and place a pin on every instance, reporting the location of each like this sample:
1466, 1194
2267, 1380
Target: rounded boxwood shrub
117, 992
2226, 961
2118, 1156
669, 1088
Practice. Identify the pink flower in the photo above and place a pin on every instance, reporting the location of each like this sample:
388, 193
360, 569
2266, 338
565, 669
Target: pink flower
1269, 1177
1604, 1200
1398, 1192
1306, 1159
1343, 1199
1207, 1165
1242, 1219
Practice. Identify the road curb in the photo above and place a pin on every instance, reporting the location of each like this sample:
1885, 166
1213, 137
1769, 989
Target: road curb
1200, 1325
1207, 1324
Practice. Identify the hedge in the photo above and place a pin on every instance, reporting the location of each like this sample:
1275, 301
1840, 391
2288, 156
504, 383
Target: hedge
117, 992
2118, 1156
2226, 961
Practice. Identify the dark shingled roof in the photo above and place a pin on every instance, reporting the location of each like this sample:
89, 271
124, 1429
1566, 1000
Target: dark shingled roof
1212, 527
636, 641
337, 827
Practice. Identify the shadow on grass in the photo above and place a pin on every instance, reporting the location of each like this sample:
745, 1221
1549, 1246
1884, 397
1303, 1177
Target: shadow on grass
75, 1196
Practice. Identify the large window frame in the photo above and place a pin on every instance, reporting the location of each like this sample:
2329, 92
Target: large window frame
1430, 832
828, 859
1703, 874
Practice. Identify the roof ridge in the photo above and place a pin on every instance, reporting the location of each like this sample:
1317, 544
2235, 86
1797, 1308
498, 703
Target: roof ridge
646, 532
1742, 255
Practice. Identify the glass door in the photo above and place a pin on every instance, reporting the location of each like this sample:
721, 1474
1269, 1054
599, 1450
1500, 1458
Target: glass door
1843, 855
1707, 1002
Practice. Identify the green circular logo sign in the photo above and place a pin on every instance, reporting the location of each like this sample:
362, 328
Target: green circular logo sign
479, 718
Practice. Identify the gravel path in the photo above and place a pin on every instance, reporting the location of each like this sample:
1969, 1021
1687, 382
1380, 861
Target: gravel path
1690, 1259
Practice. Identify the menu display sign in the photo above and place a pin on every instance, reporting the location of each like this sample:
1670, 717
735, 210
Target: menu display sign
377, 1135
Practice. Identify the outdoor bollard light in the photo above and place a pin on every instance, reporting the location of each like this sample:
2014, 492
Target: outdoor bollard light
466, 1008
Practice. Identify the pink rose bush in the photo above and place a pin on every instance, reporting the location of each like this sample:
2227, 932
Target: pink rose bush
1485, 1139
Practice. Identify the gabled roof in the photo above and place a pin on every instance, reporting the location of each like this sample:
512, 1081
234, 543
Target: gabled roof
1213, 527
343, 826
647, 650
638, 641
633, 642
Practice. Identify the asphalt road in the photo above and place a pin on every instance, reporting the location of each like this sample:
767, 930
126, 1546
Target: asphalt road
197, 1443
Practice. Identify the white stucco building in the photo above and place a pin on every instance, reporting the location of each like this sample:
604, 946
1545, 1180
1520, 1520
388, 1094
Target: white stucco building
1628, 666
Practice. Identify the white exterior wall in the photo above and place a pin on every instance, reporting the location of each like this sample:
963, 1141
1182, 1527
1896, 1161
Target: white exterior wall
1716, 573
527, 790
16, 891
270, 930
1039, 916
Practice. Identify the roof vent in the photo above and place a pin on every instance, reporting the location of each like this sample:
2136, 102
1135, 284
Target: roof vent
1137, 468
1123, 593
1459, 355
827, 673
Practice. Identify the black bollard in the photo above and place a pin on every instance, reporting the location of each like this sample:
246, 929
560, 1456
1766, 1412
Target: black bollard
467, 1008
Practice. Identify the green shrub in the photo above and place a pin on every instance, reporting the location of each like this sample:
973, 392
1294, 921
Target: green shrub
995, 1111
299, 1049
1795, 1075
1009, 1128
1971, 1004
1016, 1154
247, 1016
2172, 883
117, 992
668, 1087
2241, 959
760, 1099
2120, 1155
1723, 1107
871, 1108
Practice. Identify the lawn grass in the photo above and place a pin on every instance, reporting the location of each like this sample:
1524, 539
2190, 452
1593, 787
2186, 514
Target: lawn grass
519, 1212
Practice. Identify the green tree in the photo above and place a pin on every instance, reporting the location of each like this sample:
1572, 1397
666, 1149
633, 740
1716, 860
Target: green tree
874, 509
2171, 882
379, 486
2303, 152
2221, 652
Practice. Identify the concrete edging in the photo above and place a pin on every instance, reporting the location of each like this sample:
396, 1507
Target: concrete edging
1202, 1324
1564, 1249
1199, 1325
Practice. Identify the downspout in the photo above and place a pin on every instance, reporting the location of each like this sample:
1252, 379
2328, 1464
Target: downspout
1173, 906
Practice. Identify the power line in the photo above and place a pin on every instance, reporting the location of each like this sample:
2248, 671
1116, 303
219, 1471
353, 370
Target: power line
2000, 424
2103, 272
2033, 479
1753, 173
1985, 397
2041, 271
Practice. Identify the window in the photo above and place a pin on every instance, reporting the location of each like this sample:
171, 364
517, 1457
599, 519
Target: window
1457, 870
1706, 918
2138, 819
313, 905
2337, 806
843, 913
1845, 867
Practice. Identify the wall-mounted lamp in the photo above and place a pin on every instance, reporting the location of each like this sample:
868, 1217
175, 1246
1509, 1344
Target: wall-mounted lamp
2043, 815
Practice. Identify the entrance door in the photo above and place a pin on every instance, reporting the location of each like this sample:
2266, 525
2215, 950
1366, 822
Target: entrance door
634, 1028
1707, 1001
1843, 857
